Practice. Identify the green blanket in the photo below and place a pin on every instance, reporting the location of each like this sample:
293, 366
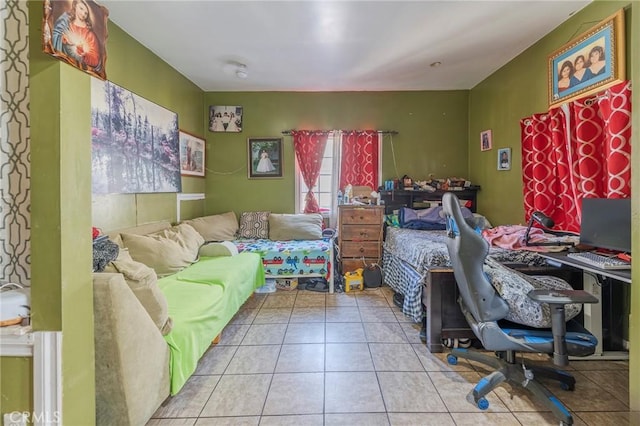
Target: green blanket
202, 299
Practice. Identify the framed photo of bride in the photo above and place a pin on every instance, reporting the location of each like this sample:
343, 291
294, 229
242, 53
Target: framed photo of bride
590, 63
265, 158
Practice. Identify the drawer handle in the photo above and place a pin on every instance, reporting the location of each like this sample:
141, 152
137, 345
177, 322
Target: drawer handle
364, 234
361, 249
361, 217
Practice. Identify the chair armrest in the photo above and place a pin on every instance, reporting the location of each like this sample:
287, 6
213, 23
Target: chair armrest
557, 299
562, 297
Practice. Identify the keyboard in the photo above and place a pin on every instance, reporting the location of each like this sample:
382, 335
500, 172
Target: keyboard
600, 261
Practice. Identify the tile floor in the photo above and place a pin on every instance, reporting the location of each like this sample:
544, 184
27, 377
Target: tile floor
305, 358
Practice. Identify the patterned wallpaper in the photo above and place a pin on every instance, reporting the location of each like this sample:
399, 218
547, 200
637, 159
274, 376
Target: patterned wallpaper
15, 168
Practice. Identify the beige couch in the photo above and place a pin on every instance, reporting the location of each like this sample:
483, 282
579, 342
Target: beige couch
133, 325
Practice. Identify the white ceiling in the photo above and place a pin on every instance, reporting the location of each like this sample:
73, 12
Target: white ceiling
338, 45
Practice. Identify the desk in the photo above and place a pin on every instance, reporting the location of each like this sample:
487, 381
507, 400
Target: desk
593, 313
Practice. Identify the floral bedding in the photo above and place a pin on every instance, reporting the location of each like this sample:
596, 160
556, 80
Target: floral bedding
291, 258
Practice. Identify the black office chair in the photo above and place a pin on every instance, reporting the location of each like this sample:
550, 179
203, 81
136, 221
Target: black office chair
485, 311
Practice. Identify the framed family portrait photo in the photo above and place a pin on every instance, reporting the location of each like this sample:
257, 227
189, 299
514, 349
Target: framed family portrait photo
192, 151
590, 63
225, 119
265, 158
486, 141
504, 159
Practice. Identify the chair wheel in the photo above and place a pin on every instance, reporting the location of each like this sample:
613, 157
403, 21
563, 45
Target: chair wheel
482, 403
452, 359
567, 386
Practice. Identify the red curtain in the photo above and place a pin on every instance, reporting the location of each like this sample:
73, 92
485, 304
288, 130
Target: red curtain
359, 160
579, 150
309, 148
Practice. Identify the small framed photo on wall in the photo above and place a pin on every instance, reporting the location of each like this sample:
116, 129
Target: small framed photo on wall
225, 119
191, 155
504, 159
265, 158
486, 141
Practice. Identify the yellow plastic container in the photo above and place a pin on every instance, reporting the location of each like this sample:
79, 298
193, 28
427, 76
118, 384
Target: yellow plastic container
353, 280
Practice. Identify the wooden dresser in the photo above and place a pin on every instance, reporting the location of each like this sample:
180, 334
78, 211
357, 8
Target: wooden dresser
359, 236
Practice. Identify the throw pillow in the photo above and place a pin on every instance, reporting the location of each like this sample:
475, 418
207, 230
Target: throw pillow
225, 248
283, 227
218, 227
254, 225
143, 282
166, 252
186, 236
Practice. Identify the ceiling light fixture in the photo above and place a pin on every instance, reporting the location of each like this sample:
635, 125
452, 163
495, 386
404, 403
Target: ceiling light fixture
241, 71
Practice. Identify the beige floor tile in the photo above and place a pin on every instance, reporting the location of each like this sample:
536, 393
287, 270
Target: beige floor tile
485, 419
599, 365
609, 418
301, 358
366, 299
348, 357
229, 421
265, 334
273, 316
438, 361
304, 333
238, 395
412, 331
279, 300
308, 299
384, 332
244, 316
171, 422
394, 357
352, 392
308, 314
588, 396
453, 388
545, 419
254, 360
341, 299
255, 301
342, 314
422, 419
400, 316
297, 420
191, 398
295, 393
615, 382
518, 399
356, 419
345, 332
215, 360
233, 334
377, 314
409, 392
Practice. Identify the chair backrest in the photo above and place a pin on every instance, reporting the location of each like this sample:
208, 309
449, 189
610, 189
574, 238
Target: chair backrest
467, 251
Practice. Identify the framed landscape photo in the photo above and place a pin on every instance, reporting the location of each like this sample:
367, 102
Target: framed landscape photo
192, 151
225, 119
485, 140
265, 158
590, 63
504, 159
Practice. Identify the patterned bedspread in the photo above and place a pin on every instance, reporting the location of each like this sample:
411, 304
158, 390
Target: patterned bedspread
409, 255
291, 258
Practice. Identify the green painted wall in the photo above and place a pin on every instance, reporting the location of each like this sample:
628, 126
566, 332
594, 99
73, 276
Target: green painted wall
130, 65
432, 138
515, 91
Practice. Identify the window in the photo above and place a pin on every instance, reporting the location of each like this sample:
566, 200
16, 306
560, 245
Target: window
326, 187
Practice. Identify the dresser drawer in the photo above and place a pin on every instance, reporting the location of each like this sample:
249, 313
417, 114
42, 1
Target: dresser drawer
361, 233
360, 249
361, 216
350, 265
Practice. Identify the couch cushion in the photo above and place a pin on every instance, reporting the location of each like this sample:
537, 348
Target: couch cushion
254, 225
219, 227
143, 282
224, 248
167, 251
283, 227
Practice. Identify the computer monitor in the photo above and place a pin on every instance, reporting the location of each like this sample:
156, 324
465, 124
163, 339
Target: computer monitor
606, 223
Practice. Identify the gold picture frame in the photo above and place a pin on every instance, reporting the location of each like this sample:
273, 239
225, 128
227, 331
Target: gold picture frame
588, 64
